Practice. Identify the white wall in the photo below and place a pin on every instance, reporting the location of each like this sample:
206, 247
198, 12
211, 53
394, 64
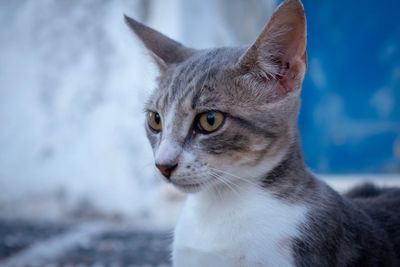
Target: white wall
73, 81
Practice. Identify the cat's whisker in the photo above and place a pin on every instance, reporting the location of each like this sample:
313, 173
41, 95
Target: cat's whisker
237, 177
231, 184
234, 176
227, 180
217, 192
219, 178
224, 181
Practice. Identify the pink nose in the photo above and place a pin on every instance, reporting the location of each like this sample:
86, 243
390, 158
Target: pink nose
166, 170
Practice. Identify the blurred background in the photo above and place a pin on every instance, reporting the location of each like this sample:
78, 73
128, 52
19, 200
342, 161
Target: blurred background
73, 81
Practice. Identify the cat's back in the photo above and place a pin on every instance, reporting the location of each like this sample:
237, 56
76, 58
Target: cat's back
383, 206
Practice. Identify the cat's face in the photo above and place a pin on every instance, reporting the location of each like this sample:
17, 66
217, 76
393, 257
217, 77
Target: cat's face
223, 117
205, 119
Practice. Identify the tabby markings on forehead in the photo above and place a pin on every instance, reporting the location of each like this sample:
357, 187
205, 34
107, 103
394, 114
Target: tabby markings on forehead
158, 107
202, 66
202, 88
187, 93
180, 81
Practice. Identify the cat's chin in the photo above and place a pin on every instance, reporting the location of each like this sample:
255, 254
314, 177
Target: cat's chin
189, 188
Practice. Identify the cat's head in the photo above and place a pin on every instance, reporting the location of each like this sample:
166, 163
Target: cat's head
225, 116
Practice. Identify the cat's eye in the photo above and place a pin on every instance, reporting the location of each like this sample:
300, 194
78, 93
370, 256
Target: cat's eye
154, 121
210, 121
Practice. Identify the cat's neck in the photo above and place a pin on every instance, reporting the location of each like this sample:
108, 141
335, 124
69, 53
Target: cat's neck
290, 179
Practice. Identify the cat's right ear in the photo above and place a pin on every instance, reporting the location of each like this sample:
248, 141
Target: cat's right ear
164, 50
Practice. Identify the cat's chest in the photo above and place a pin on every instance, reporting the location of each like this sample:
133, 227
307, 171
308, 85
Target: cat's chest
253, 229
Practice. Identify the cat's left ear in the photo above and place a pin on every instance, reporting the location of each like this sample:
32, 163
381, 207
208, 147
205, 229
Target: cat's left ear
280, 50
164, 50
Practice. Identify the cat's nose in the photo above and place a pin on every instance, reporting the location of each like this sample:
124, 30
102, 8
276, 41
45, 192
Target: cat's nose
166, 170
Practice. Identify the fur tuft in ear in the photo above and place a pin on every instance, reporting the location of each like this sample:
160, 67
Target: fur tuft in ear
280, 50
164, 50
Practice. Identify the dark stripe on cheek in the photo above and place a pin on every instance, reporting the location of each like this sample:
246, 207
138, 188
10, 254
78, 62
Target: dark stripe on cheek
225, 142
252, 127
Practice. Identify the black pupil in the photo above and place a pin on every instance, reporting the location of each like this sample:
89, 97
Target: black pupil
157, 118
211, 118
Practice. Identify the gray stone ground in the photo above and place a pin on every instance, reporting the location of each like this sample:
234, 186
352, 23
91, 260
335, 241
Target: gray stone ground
80, 244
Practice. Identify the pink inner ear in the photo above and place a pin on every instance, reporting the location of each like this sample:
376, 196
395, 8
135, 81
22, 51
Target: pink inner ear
292, 74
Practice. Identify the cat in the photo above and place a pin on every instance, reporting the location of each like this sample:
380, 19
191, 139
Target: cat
223, 127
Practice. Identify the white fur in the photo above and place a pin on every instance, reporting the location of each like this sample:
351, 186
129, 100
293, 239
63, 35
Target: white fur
245, 228
167, 152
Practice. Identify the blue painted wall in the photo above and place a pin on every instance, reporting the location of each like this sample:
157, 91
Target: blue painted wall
350, 116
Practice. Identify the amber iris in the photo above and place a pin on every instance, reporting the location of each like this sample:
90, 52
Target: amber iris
210, 121
154, 121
